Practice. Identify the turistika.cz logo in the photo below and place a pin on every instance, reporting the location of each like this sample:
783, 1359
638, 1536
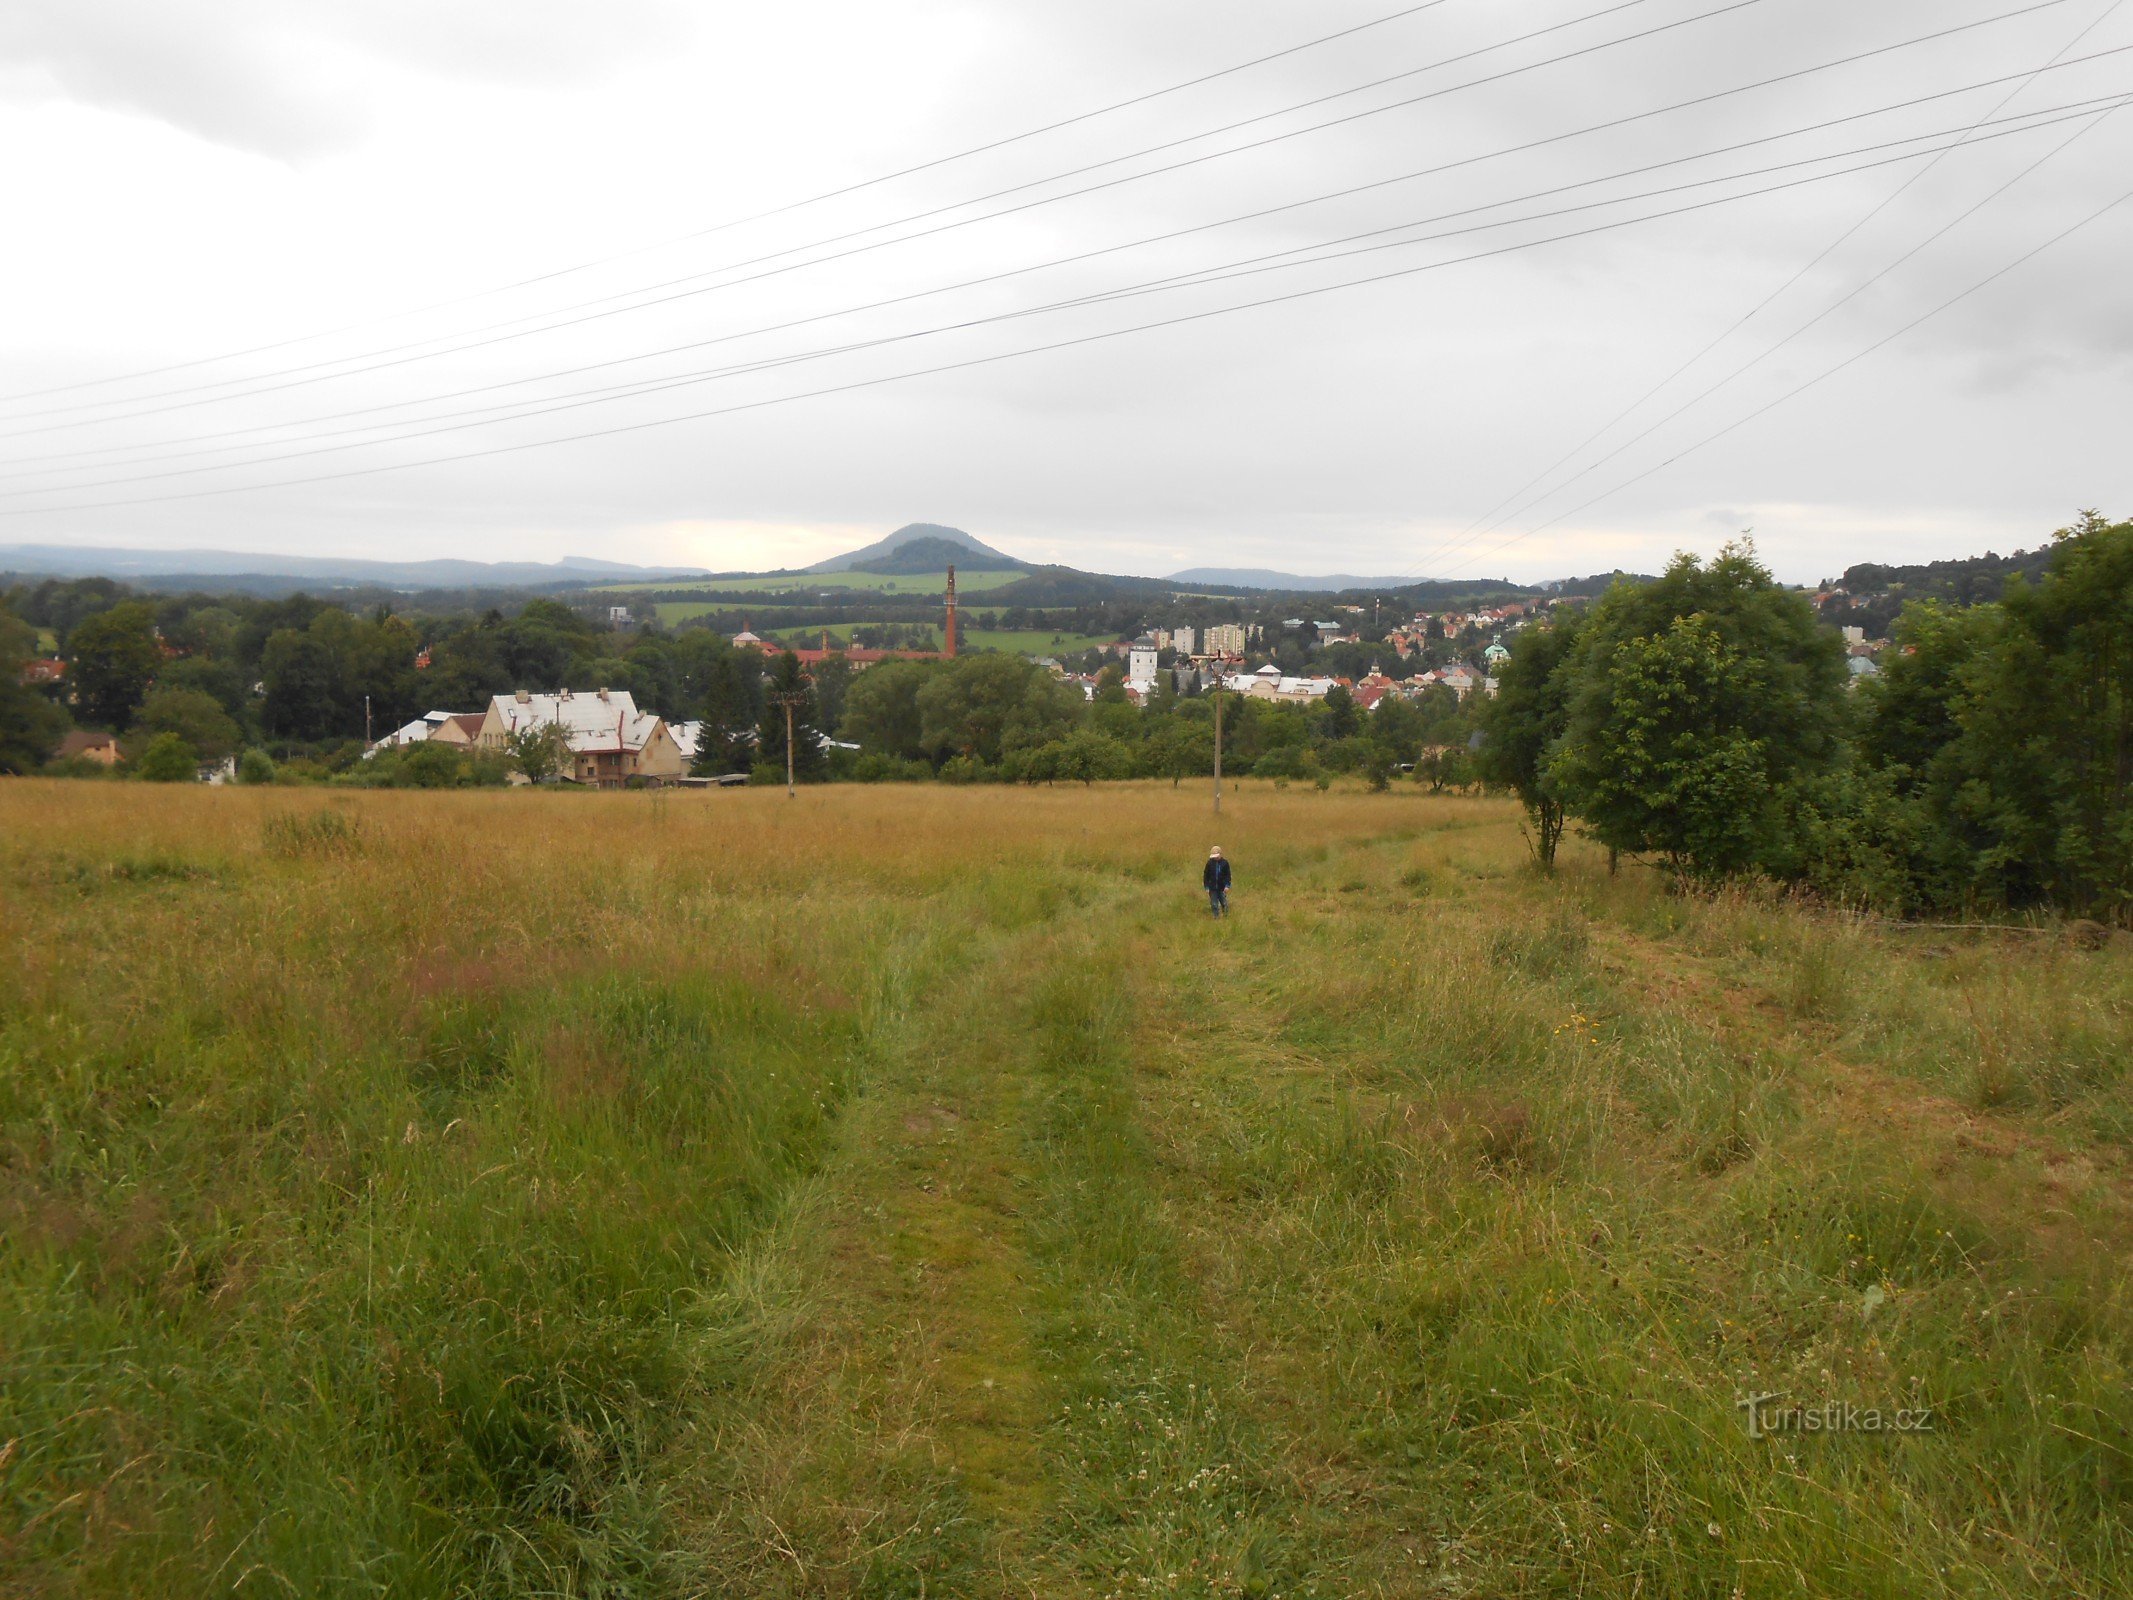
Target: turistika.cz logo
1768, 1414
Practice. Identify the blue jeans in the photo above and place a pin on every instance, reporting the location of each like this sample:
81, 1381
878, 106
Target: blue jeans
1218, 902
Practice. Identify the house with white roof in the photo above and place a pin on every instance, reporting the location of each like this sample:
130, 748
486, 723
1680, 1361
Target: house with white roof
610, 740
459, 728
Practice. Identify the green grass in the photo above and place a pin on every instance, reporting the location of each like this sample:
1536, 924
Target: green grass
913, 1192
1019, 641
813, 583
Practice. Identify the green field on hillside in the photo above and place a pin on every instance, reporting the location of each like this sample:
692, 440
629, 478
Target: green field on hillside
814, 583
1021, 641
912, 1191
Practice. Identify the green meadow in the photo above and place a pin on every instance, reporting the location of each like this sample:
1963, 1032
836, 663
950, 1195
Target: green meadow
1015, 641
814, 583
912, 1191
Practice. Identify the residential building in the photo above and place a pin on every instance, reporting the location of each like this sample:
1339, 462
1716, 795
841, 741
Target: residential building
44, 670
1224, 639
459, 728
81, 745
610, 740
1140, 661
1181, 640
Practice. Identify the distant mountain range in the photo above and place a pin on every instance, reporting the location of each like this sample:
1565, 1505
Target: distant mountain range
1266, 578
916, 549
93, 561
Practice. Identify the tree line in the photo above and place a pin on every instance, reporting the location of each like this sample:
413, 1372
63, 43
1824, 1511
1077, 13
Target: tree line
1702, 721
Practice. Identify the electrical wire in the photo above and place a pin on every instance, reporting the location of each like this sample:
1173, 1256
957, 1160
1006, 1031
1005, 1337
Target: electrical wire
406, 354
1820, 377
1499, 513
2096, 120
855, 385
2025, 77
1311, 255
299, 381
759, 216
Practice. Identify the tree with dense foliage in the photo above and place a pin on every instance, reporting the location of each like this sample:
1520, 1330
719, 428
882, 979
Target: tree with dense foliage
881, 712
984, 705
1524, 722
168, 759
191, 714
1697, 701
30, 725
112, 658
2040, 774
538, 752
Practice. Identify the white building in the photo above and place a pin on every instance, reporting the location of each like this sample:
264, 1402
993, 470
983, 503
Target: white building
1140, 661
1181, 640
448, 727
610, 740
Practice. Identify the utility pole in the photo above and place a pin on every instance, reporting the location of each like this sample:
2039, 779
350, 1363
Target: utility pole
1218, 752
789, 699
366, 721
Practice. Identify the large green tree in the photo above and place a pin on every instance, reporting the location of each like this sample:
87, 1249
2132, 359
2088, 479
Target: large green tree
112, 659
2039, 779
30, 725
1697, 702
986, 705
1526, 720
881, 712
194, 716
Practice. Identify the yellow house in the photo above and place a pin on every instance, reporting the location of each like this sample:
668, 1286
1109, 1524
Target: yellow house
610, 740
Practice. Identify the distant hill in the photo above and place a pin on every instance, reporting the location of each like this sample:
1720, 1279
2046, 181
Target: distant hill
167, 566
976, 551
1971, 580
931, 554
1266, 578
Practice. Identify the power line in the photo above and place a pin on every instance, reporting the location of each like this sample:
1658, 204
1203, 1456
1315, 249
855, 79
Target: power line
402, 358
759, 216
1313, 255
1821, 377
944, 367
1499, 513
2038, 5
2096, 121
34, 470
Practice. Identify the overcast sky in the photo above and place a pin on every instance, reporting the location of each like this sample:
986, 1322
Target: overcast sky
194, 184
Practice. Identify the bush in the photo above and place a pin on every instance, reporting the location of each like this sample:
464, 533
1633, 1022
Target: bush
1291, 761
256, 766
874, 767
168, 759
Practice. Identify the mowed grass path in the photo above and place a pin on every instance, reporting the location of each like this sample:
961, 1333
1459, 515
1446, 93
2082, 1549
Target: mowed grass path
913, 1192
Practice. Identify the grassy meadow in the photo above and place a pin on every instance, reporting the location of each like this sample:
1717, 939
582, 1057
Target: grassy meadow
975, 581
911, 1191
1016, 641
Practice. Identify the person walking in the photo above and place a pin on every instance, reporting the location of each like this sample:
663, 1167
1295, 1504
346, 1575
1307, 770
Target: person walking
1215, 879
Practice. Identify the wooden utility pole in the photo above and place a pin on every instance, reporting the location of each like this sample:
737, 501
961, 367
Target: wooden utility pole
789, 700
1218, 752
